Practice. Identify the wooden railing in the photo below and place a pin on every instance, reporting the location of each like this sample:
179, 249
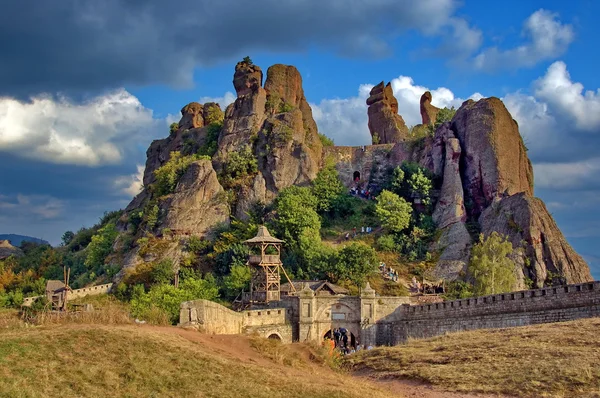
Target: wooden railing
266, 259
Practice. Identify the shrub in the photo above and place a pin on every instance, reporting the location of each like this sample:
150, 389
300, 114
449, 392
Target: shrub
355, 263
173, 128
238, 165
393, 211
386, 243
169, 174
285, 107
210, 146
326, 141
247, 60
101, 246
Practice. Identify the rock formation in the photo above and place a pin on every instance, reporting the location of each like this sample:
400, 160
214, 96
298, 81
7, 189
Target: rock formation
494, 159
428, 111
7, 250
479, 157
541, 249
385, 124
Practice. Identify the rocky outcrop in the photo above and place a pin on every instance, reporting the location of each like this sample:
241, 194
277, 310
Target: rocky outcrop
191, 116
385, 124
494, 159
247, 78
428, 111
198, 203
7, 250
450, 214
540, 248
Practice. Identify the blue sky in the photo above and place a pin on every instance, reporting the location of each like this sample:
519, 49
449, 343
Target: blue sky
86, 86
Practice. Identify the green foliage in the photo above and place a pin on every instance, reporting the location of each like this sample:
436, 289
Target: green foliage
162, 272
386, 243
101, 246
273, 103
491, 267
214, 116
326, 141
173, 128
135, 219
168, 298
458, 290
355, 263
67, 238
296, 210
247, 60
314, 259
444, 115
169, 174
151, 215
376, 139
210, 146
411, 180
327, 187
285, 107
238, 165
393, 211
237, 280
197, 245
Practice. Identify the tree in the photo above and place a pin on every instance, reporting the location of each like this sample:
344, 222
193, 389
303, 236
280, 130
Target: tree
393, 211
101, 246
169, 173
492, 269
355, 263
296, 211
67, 237
247, 60
237, 280
327, 187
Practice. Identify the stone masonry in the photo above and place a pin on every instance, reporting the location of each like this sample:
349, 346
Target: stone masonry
376, 320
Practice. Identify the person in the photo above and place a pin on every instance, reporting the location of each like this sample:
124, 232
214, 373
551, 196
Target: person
362, 230
347, 235
354, 232
336, 336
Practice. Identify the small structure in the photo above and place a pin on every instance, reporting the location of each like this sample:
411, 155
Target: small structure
57, 292
319, 287
265, 263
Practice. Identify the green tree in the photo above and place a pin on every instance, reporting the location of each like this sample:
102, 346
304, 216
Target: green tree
296, 211
393, 211
326, 141
100, 246
67, 237
327, 187
237, 280
355, 262
247, 60
173, 128
492, 269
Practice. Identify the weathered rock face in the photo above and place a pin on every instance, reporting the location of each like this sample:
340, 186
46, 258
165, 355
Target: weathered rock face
191, 116
7, 250
247, 78
198, 203
494, 159
428, 111
449, 213
529, 226
385, 124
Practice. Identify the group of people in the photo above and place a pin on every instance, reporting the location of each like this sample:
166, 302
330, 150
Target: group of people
388, 272
341, 341
363, 230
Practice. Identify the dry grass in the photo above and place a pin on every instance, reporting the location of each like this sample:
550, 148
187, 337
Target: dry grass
553, 360
141, 361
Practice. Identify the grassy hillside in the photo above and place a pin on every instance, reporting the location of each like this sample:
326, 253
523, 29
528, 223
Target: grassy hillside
145, 361
553, 360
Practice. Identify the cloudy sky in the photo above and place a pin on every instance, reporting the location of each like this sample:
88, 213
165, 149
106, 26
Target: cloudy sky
85, 86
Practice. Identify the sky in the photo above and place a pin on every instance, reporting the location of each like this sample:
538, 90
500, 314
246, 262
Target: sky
85, 86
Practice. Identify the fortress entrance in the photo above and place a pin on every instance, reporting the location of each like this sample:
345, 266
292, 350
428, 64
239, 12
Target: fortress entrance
351, 337
356, 176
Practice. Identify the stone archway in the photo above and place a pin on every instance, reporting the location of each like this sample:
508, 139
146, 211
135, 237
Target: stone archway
356, 176
274, 336
352, 340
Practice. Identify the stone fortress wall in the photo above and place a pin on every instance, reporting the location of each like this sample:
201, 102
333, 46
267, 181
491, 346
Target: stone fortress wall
376, 320
77, 293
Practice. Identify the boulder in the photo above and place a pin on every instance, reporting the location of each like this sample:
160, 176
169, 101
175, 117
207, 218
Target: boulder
247, 78
212, 113
385, 124
191, 116
198, 203
428, 111
494, 158
540, 248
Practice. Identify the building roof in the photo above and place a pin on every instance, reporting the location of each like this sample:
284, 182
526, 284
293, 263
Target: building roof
263, 236
315, 286
54, 286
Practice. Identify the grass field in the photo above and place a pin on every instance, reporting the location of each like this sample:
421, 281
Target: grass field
80, 360
552, 360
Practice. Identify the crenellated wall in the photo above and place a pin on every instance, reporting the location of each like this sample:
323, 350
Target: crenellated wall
77, 293
547, 305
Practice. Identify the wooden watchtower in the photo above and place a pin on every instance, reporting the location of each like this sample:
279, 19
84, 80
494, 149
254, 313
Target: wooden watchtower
265, 264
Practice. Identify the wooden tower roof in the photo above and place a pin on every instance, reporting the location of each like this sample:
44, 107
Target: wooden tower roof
263, 236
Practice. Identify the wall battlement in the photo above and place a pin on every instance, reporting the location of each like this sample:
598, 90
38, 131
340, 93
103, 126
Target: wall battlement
77, 293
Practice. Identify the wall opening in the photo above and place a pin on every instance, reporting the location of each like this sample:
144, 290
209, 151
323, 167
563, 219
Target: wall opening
339, 343
274, 336
356, 176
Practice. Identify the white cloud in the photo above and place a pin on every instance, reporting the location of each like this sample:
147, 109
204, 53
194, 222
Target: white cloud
226, 99
345, 120
567, 175
547, 38
93, 133
131, 184
44, 206
567, 98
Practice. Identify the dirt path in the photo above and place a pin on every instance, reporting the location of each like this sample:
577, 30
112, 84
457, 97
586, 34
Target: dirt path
238, 348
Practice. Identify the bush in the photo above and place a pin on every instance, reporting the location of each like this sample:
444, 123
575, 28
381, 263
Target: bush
210, 146
169, 174
386, 243
491, 267
101, 246
238, 165
173, 128
326, 141
355, 263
